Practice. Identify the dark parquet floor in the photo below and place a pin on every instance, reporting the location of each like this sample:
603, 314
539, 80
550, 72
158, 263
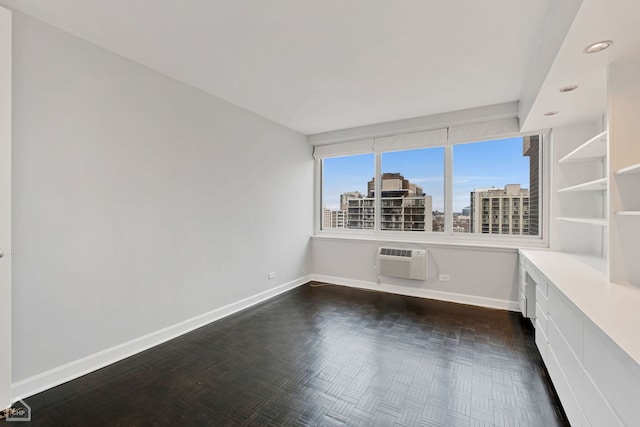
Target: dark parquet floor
324, 355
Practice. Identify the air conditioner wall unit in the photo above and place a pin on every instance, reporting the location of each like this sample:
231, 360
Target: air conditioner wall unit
403, 263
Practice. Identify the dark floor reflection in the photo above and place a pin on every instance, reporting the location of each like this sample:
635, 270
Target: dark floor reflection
325, 355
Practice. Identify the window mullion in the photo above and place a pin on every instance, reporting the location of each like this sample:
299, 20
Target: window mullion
377, 188
448, 189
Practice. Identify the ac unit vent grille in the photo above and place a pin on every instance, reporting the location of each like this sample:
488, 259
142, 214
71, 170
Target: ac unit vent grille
396, 252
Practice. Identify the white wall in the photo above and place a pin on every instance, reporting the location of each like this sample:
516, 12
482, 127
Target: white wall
479, 276
5, 208
139, 202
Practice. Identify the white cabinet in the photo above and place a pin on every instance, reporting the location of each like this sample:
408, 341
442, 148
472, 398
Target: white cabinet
526, 292
542, 318
586, 331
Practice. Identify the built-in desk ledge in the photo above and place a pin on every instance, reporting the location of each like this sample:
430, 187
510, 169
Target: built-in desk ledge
612, 307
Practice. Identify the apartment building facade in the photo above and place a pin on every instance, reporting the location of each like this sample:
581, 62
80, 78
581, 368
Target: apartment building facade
404, 206
500, 210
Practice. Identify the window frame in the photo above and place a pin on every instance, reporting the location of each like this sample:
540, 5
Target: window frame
448, 236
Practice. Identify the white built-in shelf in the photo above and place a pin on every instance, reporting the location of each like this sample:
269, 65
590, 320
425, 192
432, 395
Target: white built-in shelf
630, 170
593, 221
594, 148
628, 213
596, 185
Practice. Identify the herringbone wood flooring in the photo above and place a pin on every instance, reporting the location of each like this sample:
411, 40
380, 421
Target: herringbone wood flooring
324, 355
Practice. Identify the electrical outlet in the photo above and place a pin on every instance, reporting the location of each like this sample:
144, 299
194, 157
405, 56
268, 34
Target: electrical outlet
272, 275
444, 278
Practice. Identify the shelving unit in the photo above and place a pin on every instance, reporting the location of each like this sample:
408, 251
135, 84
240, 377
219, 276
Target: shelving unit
596, 205
582, 194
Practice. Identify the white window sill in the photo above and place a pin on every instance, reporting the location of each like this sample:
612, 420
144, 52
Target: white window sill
436, 239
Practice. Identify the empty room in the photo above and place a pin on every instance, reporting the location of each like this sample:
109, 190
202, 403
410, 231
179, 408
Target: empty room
319, 213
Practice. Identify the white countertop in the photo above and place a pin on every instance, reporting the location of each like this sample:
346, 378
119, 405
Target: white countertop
613, 307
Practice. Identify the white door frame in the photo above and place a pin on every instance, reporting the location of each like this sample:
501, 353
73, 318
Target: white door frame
5, 208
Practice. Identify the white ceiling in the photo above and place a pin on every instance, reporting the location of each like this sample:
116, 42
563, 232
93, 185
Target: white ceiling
323, 65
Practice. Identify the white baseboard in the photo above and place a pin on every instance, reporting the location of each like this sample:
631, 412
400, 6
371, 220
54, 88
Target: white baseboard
70, 371
421, 293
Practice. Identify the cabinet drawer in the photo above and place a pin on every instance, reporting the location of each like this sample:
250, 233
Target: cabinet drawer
568, 320
595, 406
541, 341
614, 374
542, 288
567, 360
542, 300
541, 320
569, 402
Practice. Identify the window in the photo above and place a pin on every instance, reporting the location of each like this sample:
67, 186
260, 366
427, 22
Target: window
412, 190
496, 184
346, 203
483, 188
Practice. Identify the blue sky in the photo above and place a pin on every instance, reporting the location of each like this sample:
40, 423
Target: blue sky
476, 165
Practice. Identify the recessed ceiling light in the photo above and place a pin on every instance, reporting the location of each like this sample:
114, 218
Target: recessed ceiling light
597, 47
550, 113
568, 88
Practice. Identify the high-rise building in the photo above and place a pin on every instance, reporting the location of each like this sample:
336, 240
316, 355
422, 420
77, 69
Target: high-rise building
346, 196
404, 206
531, 148
500, 211
334, 219
361, 213
338, 218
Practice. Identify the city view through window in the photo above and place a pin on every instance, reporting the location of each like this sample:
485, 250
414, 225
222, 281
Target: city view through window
495, 189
